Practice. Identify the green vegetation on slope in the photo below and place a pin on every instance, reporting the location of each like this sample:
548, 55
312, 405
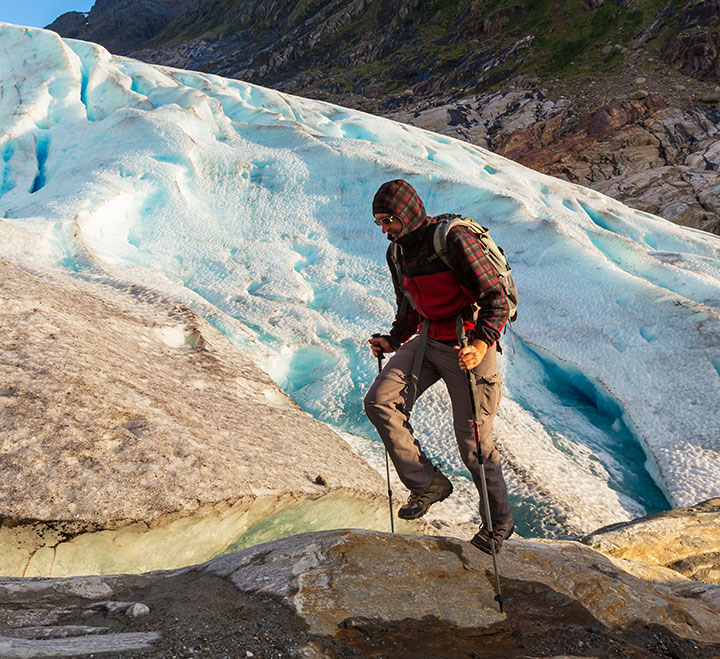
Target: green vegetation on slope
468, 43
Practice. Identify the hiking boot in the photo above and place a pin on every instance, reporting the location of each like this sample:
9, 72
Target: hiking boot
418, 503
501, 532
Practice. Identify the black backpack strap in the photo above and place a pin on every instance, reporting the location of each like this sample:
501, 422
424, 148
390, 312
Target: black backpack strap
395, 253
417, 366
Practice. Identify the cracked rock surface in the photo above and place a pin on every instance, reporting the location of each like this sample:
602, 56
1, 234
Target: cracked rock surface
361, 593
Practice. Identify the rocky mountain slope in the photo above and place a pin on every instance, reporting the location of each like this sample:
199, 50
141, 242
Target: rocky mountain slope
121, 25
619, 96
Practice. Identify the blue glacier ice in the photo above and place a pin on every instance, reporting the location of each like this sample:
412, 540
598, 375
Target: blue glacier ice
253, 207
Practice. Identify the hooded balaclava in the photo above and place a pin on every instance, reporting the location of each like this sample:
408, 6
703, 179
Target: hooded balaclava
399, 198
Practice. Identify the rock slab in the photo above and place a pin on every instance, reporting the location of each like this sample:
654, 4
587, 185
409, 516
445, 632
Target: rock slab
179, 440
687, 540
140, 399
340, 593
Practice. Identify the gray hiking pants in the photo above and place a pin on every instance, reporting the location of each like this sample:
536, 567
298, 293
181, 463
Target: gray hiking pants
385, 405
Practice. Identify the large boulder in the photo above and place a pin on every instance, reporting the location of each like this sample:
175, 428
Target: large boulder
135, 436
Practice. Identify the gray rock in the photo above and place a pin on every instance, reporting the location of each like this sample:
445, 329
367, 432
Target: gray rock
50, 631
112, 607
680, 194
14, 648
137, 610
88, 588
486, 119
710, 98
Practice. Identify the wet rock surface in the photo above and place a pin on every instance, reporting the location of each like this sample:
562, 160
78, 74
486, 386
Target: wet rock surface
349, 593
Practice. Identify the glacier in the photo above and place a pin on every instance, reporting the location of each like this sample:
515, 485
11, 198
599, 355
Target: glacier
253, 208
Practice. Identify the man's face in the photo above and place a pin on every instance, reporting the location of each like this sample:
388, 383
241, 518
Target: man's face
389, 224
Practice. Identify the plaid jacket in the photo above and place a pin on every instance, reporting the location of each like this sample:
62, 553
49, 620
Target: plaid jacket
441, 293
470, 288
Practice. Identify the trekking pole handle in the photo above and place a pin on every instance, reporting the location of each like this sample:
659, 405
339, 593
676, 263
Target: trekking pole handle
381, 354
464, 343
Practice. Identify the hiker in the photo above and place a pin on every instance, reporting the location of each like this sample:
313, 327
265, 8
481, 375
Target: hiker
445, 302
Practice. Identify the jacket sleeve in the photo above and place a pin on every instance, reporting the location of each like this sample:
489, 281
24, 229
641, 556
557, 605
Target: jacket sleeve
477, 276
406, 318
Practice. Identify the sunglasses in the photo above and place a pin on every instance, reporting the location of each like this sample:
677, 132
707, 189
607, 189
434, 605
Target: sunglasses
387, 221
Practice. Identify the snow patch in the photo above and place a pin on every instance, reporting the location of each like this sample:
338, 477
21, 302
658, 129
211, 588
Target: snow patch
180, 336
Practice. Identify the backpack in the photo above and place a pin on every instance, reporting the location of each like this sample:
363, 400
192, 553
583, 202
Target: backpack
494, 253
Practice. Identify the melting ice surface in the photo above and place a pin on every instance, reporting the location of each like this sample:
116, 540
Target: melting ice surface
254, 207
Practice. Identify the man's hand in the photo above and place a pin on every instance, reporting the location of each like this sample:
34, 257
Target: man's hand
471, 356
379, 345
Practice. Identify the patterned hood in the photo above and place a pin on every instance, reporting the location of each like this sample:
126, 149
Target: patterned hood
399, 198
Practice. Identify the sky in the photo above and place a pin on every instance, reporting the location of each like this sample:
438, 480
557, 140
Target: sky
40, 12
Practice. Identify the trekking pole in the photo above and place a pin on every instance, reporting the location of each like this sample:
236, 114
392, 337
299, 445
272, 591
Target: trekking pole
472, 388
380, 358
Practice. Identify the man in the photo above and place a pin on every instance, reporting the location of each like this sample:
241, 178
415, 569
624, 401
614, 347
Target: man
445, 301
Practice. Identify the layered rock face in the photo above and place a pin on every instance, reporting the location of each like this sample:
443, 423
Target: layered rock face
651, 156
121, 25
657, 158
340, 593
